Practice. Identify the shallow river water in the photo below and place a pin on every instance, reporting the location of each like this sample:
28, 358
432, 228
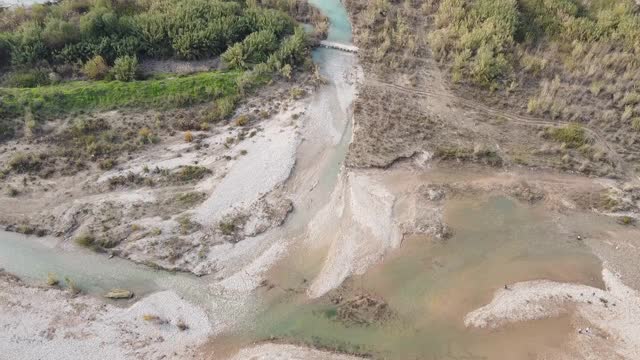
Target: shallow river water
430, 285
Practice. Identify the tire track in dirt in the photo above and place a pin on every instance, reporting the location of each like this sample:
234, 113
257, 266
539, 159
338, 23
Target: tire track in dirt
486, 110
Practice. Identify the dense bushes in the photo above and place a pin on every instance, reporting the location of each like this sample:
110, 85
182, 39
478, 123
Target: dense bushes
254, 49
78, 30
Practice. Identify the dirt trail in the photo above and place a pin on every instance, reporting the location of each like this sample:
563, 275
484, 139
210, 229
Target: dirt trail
501, 114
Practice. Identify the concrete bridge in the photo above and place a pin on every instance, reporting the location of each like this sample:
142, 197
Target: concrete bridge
339, 46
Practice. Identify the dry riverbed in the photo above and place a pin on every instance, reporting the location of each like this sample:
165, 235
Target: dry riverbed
178, 202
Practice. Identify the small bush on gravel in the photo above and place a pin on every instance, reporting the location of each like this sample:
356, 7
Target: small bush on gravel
188, 136
85, 240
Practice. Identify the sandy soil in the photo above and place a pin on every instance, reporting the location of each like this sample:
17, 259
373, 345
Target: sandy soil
48, 323
610, 314
287, 352
360, 214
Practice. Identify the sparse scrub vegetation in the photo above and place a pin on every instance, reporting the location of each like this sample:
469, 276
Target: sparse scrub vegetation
487, 40
186, 225
189, 199
570, 61
478, 154
25, 229
12, 192
190, 173
227, 227
25, 162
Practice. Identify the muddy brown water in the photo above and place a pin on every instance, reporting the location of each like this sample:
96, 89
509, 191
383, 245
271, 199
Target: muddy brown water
430, 285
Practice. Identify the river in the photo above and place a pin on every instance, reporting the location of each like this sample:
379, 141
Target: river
430, 285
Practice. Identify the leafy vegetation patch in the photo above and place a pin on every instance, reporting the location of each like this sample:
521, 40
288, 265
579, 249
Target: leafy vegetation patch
573, 135
43, 46
75, 31
105, 95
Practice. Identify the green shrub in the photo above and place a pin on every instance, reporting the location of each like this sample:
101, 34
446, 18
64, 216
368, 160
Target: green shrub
254, 49
125, 68
96, 68
573, 135
57, 33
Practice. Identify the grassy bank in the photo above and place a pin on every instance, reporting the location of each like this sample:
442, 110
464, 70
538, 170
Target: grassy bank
102, 95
